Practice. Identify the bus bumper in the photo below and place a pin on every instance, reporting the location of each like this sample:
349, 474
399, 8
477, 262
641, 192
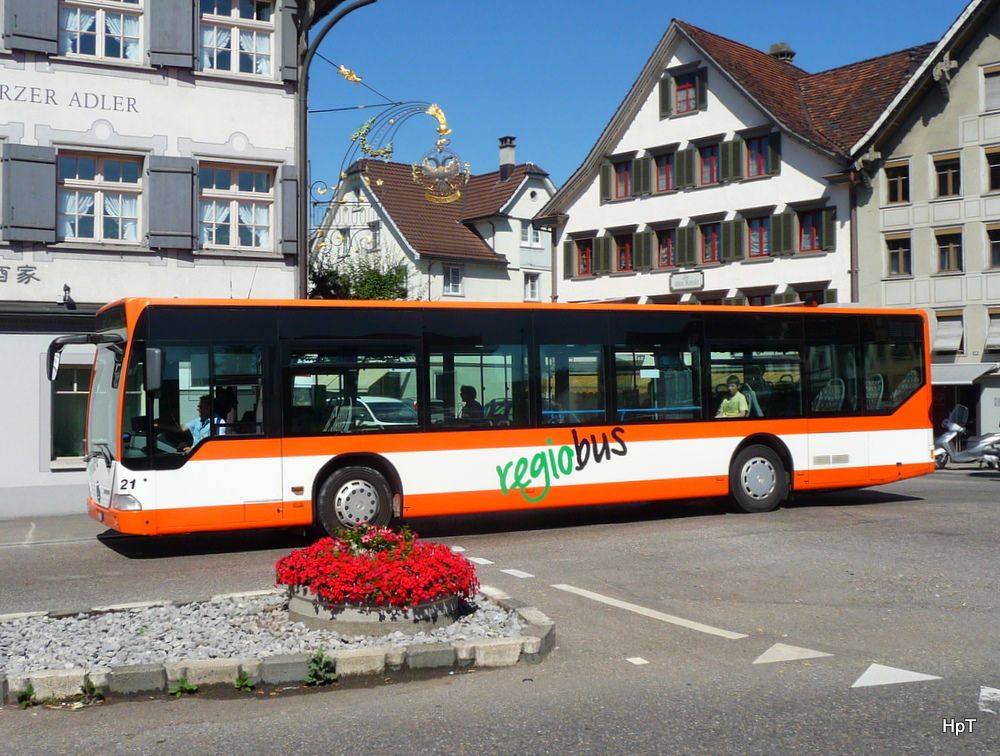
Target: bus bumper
137, 523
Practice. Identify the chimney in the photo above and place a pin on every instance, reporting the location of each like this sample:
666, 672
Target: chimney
507, 161
782, 52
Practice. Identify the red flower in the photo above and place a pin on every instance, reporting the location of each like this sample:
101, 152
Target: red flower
378, 566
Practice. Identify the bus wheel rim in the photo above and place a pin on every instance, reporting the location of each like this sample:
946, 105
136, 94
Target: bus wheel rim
356, 502
759, 478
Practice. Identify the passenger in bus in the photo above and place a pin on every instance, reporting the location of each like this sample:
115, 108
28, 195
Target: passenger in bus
471, 409
735, 404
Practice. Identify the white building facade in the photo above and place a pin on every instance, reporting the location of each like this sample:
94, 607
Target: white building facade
134, 161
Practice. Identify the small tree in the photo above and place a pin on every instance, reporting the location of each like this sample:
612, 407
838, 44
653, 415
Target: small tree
365, 275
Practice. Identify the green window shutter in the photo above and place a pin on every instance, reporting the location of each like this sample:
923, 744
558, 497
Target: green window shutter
686, 163
732, 244
607, 180
783, 234
828, 229
569, 258
687, 245
830, 296
666, 97
774, 153
787, 297
602, 254
642, 176
731, 160
701, 87
642, 244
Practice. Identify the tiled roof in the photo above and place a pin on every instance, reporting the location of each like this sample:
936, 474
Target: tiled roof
831, 109
439, 230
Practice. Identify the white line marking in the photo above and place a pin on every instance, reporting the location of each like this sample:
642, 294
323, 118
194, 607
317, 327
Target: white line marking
781, 652
697, 626
989, 697
637, 661
879, 674
518, 573
479, 560
458, 549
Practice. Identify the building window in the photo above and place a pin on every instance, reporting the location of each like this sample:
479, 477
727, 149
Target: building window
245, 28
236, 206
993, 237
623, 179
69, 411
811, 231
107, 29
452, 279
531, 287
949, 250
584, 257
991, 88
709, 157
666, 243
685, 93
99, 197
948, 335
757, 156
710, 241
993, 169
759, 233
665, 172
758, 300
948, 171
897, 179
899, 255
623, 251
530, 237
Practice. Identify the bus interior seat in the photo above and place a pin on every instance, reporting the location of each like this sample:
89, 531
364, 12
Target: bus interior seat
831, 397
753, 406
906, 387
874, 387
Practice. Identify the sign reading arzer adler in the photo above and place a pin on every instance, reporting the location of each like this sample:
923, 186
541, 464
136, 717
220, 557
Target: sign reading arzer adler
85, 100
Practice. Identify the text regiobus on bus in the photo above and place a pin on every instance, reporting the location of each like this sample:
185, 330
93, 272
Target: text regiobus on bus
343, 413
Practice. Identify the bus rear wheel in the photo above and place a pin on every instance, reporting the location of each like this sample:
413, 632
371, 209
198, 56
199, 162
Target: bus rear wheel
354, 496
757, 479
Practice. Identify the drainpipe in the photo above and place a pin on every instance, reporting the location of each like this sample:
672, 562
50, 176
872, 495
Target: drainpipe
302, 123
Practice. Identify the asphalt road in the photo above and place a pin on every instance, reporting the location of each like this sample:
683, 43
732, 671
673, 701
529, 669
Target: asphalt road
860, 622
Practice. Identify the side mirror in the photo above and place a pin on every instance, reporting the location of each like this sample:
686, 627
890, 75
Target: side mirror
154, 368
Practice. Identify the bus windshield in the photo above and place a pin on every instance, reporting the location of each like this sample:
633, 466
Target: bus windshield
102, 418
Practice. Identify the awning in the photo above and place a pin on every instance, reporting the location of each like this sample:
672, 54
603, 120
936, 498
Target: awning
951, 374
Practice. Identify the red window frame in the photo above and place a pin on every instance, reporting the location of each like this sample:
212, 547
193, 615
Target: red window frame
759, 231
757, 157
665, 172
584, 257
666, 247
708, 172
623, 179
685, 93
810, 231
710, 241
759, 300
623, 252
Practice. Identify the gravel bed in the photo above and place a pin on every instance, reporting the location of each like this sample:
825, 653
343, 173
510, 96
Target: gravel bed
225, 627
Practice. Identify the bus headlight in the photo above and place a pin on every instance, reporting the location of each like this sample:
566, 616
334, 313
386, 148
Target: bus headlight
125, 503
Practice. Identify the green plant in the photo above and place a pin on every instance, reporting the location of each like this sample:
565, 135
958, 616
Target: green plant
89, 693
182, 687
25, 697
321, 669
243, 682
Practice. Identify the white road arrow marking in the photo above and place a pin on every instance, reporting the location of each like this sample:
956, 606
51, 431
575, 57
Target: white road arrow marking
781, 652
878, 674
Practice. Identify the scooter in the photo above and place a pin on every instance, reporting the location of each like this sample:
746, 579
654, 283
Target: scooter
948, 447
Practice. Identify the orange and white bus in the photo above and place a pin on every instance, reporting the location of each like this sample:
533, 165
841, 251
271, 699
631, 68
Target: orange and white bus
342, 413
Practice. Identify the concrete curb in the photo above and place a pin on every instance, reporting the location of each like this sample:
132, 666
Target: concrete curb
67, 684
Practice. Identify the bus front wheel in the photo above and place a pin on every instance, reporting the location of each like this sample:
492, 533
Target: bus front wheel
354, 496
757, 479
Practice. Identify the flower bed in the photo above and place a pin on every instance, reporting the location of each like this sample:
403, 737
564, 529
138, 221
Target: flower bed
378, 567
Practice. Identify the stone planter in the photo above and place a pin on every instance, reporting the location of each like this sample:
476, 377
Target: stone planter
359, 619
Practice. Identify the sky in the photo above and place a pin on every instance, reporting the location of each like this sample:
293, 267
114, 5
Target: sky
552, 73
